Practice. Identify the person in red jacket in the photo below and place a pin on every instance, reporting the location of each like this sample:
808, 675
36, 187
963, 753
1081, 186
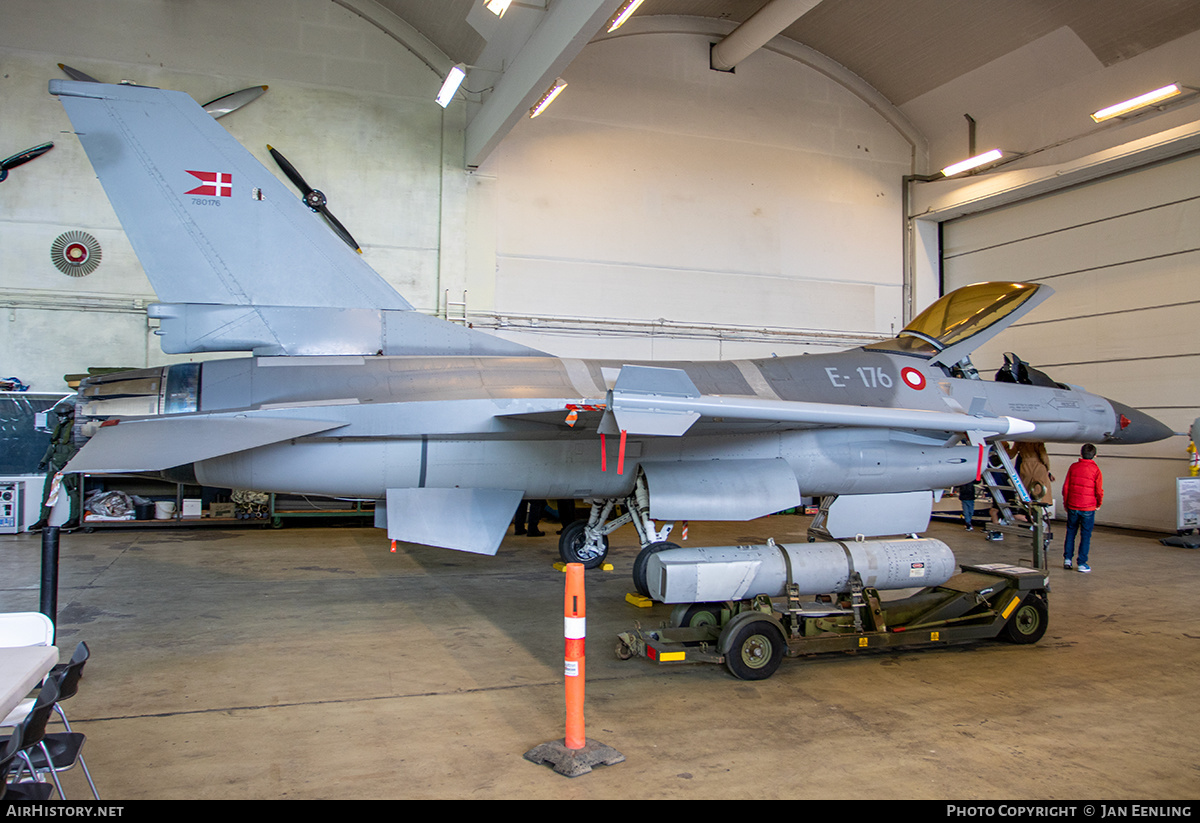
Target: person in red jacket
1083, 492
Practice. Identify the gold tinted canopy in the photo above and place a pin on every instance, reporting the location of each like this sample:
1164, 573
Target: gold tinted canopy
958, 316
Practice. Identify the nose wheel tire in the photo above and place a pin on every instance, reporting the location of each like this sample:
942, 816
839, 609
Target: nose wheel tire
573, 546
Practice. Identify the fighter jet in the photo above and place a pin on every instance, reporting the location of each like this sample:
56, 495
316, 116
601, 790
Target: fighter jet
351, 393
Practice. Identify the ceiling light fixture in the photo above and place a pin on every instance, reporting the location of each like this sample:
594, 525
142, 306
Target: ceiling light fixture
450, 87
623, 14
548, 97
1140, 102
975, 162
497, 7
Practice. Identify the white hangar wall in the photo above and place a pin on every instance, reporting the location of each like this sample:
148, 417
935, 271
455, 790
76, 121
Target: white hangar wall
655, 187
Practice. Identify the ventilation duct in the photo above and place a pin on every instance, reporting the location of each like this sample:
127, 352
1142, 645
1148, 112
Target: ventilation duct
756, 32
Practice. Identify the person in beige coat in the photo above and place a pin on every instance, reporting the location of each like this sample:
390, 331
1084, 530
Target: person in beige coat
1033, 466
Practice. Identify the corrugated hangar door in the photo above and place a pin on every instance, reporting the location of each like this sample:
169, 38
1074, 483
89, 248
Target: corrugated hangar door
1123, 256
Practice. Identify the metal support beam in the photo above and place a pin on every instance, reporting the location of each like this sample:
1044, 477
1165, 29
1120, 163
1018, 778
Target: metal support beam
563, 33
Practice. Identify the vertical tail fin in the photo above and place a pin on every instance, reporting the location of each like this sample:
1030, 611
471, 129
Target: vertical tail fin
210, 223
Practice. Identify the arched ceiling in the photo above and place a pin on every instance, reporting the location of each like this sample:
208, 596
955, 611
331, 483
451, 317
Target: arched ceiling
903, 49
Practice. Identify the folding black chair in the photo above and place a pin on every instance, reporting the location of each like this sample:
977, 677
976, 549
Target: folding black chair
39, 792
59, 751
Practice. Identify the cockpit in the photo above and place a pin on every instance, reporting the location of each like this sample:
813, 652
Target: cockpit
952, 327
959, 316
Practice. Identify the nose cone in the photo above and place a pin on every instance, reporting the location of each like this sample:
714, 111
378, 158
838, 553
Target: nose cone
1134, 426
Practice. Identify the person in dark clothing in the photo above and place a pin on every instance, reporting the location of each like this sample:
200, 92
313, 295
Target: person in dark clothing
529, 512
60, 451
566, 514
966, 494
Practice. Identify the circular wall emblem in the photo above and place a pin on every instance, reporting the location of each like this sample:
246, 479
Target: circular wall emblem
912, 378
75, 253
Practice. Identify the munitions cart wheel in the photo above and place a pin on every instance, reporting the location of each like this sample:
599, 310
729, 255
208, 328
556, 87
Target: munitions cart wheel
695, 615
1028, 623
573, 547
755, 651
623, 650
639, 564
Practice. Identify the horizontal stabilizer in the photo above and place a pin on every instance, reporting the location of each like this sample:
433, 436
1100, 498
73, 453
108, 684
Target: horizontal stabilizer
319, 330
468, 520
166, 442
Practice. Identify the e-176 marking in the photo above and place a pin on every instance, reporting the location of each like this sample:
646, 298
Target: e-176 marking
872, 377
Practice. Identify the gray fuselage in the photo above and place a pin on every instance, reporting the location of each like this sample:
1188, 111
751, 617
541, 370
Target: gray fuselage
494, 422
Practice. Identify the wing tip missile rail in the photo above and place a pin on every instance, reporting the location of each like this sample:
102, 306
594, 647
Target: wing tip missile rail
751, 636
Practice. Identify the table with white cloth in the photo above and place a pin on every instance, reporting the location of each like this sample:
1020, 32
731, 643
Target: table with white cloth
22, 668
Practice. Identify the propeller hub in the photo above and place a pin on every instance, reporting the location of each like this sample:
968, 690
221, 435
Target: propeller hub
315, 199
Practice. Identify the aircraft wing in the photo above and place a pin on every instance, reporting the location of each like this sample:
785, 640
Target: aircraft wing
662, 401
165, 442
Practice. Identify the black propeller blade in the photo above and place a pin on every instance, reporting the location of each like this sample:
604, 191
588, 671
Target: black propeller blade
22, 158
313, 198
76, 74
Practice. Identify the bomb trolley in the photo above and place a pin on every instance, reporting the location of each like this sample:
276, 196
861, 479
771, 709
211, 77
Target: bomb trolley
751, 637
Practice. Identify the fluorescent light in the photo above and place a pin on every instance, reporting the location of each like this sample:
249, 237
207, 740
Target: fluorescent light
548, 97
973, 162
450, 87
623, 13
1139, 102
497, 7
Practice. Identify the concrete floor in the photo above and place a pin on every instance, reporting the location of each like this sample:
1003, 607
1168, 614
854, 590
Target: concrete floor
315, 663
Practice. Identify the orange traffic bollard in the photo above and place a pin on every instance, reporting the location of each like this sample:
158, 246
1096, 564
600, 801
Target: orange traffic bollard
575, 754
575, 634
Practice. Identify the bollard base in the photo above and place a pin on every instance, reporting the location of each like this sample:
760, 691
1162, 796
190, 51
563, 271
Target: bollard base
574, 762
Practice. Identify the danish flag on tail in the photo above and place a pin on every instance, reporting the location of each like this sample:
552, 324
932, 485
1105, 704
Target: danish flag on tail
216, 183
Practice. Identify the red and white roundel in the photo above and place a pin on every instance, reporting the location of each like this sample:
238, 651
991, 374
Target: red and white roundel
76, 254
912, 378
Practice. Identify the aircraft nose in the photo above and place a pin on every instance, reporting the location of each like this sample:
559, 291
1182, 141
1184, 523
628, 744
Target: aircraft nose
1134, 426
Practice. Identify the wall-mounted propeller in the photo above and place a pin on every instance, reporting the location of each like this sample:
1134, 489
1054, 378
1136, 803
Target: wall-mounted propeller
76, 74
21, 158
232, 102
217, 108
313, 198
